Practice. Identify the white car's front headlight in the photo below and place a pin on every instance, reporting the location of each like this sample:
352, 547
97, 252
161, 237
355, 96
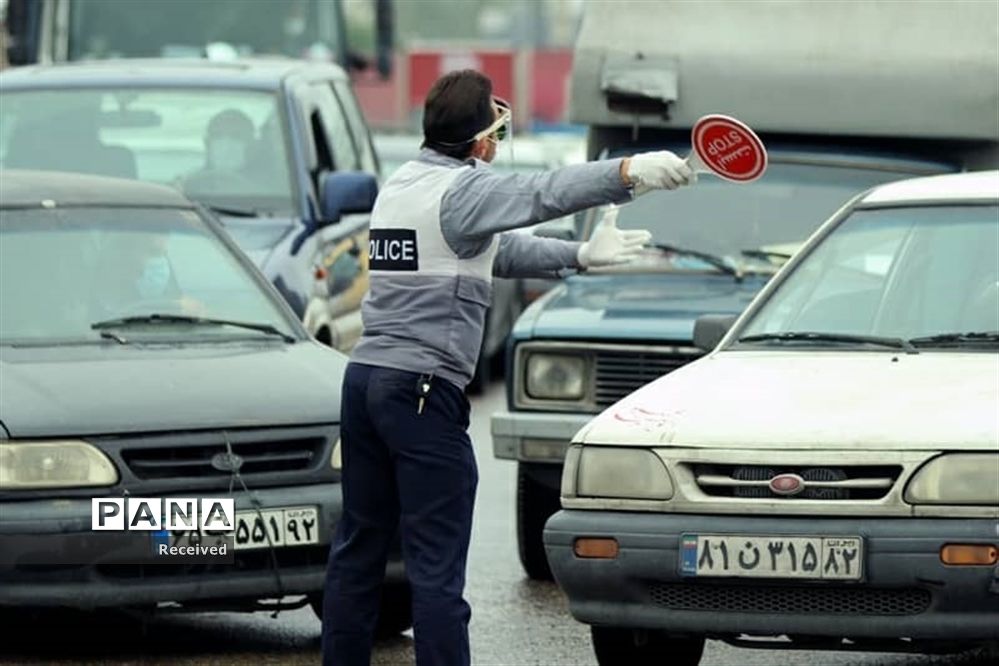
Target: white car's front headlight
556, 376
959, 478
54, 464
624, 473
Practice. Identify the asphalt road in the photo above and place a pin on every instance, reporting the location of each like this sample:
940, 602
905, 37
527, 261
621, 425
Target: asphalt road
514, 621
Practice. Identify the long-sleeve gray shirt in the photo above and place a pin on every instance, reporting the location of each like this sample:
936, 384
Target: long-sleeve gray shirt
440, 228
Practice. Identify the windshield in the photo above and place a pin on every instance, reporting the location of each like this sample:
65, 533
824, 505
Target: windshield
734, 222
900, 273
221, 147
170, 28
63, 270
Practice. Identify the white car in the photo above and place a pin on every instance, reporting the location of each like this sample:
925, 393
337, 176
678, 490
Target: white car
828, 475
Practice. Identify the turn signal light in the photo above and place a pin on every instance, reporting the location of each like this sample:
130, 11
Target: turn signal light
596, 548
969, 554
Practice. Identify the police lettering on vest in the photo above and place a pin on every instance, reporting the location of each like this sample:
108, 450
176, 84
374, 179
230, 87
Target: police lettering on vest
393, 250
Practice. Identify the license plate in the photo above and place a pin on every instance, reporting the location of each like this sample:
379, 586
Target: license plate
824, 558
286, 526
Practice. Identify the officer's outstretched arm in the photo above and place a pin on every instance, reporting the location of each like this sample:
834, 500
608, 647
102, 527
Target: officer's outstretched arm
482, 202
526, 256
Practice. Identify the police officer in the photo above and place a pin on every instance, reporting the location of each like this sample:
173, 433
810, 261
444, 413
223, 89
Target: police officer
440, 230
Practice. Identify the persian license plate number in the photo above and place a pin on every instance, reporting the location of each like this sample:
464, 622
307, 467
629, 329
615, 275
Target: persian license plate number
743, 556
286, 526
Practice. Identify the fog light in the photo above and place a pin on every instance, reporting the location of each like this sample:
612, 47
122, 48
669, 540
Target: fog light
596, 548
969, 554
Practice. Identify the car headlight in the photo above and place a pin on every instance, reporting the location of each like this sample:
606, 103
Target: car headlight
336, 458
960, 478
622, 473
556, 376
54, 464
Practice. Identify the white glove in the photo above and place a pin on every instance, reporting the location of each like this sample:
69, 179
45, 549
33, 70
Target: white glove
609, 245
660, 170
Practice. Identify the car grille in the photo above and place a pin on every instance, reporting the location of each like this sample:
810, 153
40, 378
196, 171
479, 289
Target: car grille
619, 373
796, 600
269, 456
843, 482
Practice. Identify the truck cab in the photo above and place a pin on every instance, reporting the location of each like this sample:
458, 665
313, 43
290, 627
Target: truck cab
834, 126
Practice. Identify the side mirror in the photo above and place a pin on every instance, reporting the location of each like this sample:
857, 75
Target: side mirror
710, 329
345, 192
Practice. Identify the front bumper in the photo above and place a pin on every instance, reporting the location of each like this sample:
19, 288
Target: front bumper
68, 522
906, 591
535, 436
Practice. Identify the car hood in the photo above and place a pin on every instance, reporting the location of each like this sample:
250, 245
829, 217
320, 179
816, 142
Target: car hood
91, 390
806, 400
661, 306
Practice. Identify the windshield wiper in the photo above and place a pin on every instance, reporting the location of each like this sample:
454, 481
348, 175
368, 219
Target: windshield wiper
232, 211
710, 259
973, 337
185, 319
767, 255
812, 336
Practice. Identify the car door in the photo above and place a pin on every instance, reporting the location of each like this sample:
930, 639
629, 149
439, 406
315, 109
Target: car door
338, 254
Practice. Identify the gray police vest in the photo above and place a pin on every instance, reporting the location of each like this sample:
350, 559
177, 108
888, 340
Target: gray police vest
426, 306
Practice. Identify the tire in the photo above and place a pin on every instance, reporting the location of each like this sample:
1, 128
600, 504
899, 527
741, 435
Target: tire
644, 647
536, 503
395, 615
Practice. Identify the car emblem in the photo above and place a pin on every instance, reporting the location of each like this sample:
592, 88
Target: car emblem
227, 462
787, 484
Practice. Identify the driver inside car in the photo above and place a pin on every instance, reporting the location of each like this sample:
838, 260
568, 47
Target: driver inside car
229, 140
137, 278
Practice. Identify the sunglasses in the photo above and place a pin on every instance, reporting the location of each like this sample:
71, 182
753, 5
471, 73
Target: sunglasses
501, 126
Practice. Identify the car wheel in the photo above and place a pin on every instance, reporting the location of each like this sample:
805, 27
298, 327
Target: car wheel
395, 615
613, 646
536, 503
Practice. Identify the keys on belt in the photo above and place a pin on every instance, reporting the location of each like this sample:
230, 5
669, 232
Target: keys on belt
423, 385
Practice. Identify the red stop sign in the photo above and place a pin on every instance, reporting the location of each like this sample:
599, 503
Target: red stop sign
729, 148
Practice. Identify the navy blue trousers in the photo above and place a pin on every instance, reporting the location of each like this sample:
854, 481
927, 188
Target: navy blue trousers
416, 472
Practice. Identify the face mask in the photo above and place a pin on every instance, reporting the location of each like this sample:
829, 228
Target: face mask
155, 277
226, 154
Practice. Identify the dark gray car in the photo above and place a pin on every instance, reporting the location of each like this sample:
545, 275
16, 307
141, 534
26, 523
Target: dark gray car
142, 355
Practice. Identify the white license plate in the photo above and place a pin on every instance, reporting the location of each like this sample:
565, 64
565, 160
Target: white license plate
286, 526
732, 555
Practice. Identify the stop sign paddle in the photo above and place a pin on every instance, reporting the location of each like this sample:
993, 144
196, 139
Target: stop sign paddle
727, 148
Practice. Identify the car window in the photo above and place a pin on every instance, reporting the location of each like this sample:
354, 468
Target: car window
63, 270
222, 147
101, 29
337, 130
772, 215
904, 272
357, 126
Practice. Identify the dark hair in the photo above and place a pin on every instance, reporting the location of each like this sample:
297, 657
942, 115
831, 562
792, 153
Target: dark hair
457, 107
